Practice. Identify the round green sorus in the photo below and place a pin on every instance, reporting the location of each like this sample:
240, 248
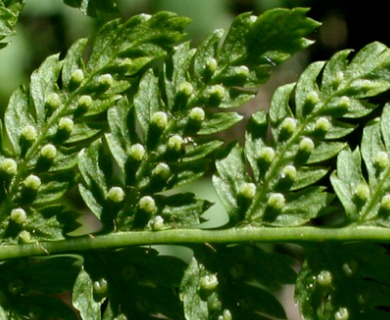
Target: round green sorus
100, 287
24, 236
9, 166
185, 88
287, 128
242, 71
116, 194
175, 143
66, 124
157, 223
362, 192
385, 203
137, 151
49, 151
120, 317
341, 314
381, 160
322, 124
306, 145
324, 278
197, 114
105, 81
147, 204
209, 282
276, 201
339, 105
160, 119
76, 78
214, 302
339, 77
53, 100
289, 172
312, 97
311, 100
226, 315
247, 190
84, 103
267, 154
29, 133
32, 182
211, 65
289, 125
18, 215
344, 102
215, 93
162, 170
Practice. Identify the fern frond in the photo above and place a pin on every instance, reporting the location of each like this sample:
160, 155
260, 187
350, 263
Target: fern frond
64, 109
365, 197
9, 14
281, 189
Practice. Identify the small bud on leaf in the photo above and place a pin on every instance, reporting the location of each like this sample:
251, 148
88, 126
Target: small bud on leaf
175, 143
49, 151
29, 133
116, 194
137, 152
18, 215
147, 204
247, 190
197, 114
66, 124
160, 119
53, 100
276, 201
9, 166
32, 182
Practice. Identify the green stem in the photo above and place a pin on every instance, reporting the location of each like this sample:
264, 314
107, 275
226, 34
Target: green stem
193, 236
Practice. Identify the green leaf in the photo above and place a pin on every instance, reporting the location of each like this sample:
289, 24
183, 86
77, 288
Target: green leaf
347, 177
17, 113
344, 281
142, 36
325, 151
182, 210
365, 201
9, 14
194, 306
147, 101
83, 298
300, 207
217, 122
91, 167
43, 83
231, 175
265, 39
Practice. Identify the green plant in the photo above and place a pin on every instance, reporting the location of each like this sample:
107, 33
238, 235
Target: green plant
124, 119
